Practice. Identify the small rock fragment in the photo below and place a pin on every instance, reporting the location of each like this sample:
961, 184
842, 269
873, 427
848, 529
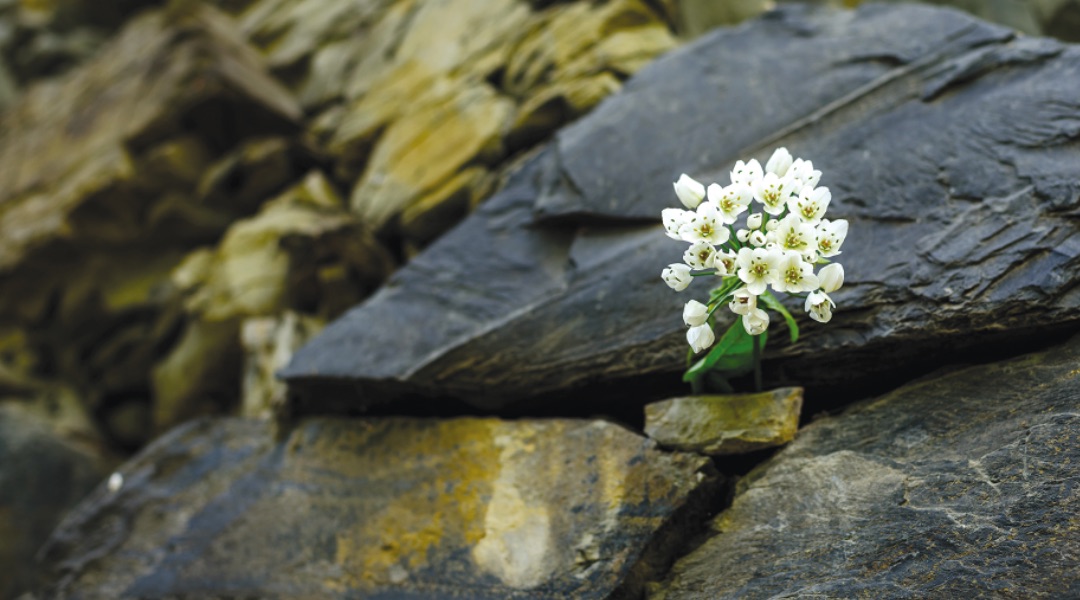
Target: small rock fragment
726, 424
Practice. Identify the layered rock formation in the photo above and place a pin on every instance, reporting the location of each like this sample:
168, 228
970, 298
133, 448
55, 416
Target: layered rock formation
185, 209
948, 144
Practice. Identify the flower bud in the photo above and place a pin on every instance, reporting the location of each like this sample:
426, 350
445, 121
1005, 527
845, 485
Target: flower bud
695, 313
831, 277
742, 235
677, 276
772, 225
700, 337
689, 191
754, 221
779, 162
757, 238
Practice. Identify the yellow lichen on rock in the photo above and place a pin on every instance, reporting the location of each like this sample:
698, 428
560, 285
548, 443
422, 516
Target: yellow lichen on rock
726, 424
421, 150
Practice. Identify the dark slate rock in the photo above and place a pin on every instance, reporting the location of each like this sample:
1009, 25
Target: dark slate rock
966, 485
42, 475
386, 509
949, 144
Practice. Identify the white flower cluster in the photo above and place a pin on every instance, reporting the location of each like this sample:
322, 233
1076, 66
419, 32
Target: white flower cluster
778, 247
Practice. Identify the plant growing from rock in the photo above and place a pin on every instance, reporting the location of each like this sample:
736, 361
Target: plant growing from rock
778, 247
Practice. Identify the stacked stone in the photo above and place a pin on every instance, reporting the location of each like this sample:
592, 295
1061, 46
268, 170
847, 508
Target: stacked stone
205, 187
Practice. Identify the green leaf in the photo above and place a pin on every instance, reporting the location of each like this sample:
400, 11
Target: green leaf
733, 354
774, 304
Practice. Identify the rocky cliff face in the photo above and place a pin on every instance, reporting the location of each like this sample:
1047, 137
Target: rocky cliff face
468, 193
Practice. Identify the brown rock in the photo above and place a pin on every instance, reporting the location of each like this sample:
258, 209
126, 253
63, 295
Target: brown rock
263, 263
66, 146
269, 343
302, 252
731, 424
558, 104
422, 150
568, 39
430, 216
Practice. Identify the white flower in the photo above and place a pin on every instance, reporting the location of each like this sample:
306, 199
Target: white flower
742, 301
689, 191
792, 233
811, 203
779, 162
795, 275
700, 337
724, 261
831, 277
757, 238
731, 200
674, 219
803, 174
746, 173
755, 321
753, 221
757, 268
677, 276
772, 192
705, 226
830, 236
695, 313
819, 306
699, 255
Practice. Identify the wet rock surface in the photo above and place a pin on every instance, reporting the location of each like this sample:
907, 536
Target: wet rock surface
383, 508
948, 143
962, 485
44, 472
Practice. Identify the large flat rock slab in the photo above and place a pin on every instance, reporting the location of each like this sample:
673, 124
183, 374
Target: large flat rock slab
392, 508
948, 143
960, 486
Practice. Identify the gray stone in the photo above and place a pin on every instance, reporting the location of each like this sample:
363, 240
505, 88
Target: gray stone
384, 508
961, 486
42, 475
948, 143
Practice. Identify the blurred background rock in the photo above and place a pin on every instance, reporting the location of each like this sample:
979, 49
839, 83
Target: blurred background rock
190, 192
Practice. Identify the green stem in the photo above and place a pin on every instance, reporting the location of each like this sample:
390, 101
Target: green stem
757, 363
697, 385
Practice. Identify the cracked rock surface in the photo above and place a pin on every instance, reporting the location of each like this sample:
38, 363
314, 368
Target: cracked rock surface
949, 144
963, 485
